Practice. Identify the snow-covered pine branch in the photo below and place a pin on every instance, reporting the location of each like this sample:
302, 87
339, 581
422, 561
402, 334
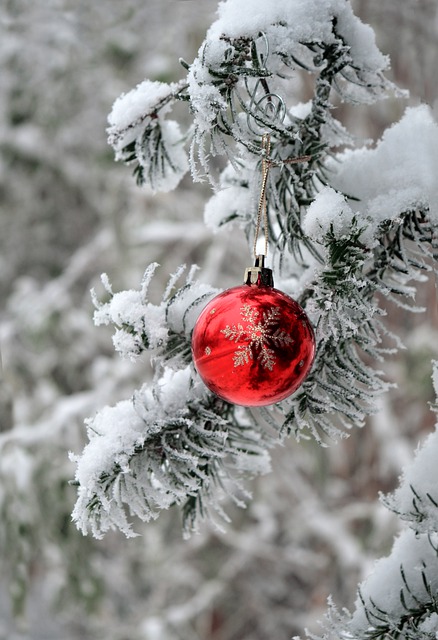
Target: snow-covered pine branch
400, 597
231, 88
173, 442
139, 132
416, 499
346, 229
164, 328
379, 240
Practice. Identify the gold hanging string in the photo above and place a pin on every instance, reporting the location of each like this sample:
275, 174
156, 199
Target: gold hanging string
262, 211
263, 208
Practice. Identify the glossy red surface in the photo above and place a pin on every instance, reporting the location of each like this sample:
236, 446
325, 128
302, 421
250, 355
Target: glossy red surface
253, 345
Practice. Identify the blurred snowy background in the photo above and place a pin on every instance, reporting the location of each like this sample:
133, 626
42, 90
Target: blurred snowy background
68, 213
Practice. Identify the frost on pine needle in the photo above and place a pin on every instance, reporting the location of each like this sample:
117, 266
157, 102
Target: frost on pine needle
173, 443
373, 241
397, 600
400, 584
162, 160
185, 305
241, 47
133, 111
416, 500
139, 324
329, 212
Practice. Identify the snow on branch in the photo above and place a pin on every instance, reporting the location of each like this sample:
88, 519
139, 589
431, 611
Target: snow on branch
236, 88
347, 231
138, 132
399, 598
398, 174
416, 499
376, 241
141, 325
342, 302
173, 443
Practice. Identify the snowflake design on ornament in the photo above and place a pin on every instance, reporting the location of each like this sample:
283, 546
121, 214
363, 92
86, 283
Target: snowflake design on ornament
258, 334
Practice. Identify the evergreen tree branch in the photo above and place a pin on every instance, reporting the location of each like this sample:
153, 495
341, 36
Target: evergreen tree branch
232, 89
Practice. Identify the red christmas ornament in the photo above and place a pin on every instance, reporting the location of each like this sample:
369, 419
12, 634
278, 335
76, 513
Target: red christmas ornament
253, 345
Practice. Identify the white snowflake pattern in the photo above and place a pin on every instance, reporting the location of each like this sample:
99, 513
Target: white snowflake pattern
257, 335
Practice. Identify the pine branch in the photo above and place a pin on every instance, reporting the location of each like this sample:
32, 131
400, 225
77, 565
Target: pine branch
383, 625
231, 100
173, 443
142, 326
234, 92
399, 600
341, 389
183, 449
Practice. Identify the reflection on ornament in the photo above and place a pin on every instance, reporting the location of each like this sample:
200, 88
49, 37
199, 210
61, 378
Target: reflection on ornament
253, 344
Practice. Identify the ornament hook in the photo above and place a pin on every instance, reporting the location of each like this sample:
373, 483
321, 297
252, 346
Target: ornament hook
265, 108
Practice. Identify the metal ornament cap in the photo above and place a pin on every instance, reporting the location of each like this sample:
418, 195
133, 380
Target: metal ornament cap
253, 345
259, 274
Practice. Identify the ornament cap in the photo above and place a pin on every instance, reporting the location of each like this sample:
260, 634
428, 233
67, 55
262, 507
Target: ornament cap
259, 274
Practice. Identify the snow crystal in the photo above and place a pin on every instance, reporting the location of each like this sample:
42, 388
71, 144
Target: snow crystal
131, 110
205, 98
398, 174
284, 25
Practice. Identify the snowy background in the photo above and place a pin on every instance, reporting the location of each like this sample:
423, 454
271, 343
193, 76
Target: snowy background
68, 213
